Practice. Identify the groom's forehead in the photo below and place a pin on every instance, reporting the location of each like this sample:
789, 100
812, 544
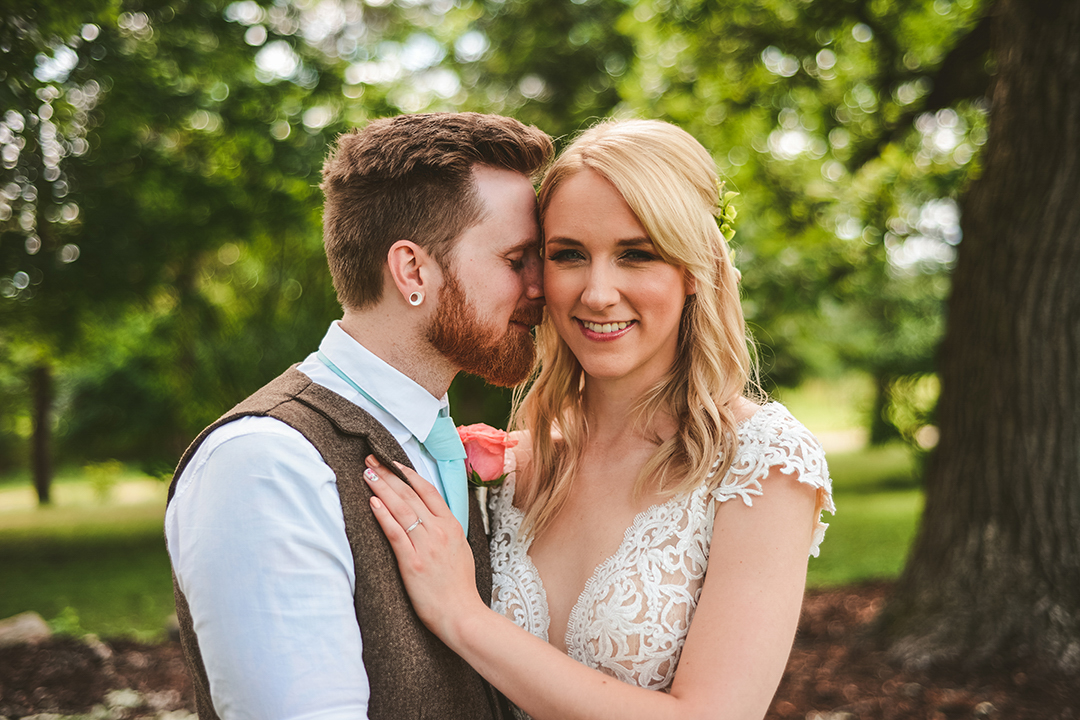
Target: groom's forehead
500, 246
495, 235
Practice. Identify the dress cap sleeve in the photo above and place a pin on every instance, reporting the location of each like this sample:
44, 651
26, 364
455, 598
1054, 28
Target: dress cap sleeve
773, 439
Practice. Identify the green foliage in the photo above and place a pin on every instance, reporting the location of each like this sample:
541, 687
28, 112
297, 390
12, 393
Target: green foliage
810, 109
67, 623
103, 477
169, 232
911, 408
159, 215
555, 65
13, 420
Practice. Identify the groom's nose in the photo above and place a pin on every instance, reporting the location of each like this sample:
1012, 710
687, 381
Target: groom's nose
532, 274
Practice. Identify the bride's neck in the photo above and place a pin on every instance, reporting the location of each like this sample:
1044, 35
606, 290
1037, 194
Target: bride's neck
613, 412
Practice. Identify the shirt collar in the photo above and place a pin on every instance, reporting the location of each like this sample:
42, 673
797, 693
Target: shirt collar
398, 394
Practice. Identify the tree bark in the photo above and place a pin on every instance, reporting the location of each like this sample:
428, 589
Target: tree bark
41, 450
994, 577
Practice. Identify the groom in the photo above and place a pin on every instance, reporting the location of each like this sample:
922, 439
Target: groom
288, 594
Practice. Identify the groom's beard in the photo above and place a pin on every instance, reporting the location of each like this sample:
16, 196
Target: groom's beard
458, 334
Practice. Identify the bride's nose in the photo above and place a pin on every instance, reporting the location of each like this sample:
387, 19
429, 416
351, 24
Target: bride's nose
600, 289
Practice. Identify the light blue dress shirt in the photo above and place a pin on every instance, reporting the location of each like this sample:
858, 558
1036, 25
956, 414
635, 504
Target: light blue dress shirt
257, 541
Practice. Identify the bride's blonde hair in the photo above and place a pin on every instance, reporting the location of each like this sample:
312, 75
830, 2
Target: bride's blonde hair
670, 183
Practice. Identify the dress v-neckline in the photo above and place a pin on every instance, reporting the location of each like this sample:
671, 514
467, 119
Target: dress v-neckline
576, 608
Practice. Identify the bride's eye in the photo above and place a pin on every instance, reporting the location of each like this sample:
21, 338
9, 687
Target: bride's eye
565, 255
639, 256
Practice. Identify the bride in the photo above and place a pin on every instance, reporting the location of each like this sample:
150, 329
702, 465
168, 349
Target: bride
655, 523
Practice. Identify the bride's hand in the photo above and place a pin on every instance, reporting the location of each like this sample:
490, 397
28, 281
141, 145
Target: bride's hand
433, 555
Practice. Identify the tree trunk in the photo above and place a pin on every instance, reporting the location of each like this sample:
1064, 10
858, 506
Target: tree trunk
994, 577
881, 430
41, 443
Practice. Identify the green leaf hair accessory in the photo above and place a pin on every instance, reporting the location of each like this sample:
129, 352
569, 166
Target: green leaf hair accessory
726, 212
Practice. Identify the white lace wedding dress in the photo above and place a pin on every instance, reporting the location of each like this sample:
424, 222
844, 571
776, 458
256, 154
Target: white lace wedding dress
632, 618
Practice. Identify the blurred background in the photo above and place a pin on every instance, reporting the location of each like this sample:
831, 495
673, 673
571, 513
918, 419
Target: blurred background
160, 250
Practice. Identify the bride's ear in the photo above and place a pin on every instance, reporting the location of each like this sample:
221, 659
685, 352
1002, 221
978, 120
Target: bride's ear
414, 272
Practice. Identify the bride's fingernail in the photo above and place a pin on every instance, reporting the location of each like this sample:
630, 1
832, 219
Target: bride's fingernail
373, 461
370, 475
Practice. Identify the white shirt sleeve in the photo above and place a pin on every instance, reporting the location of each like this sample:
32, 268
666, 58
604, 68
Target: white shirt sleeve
257, 541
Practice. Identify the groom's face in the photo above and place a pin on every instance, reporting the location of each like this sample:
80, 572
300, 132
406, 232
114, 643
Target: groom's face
492, 292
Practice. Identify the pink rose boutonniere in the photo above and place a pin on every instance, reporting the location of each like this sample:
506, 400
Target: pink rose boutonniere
485, 453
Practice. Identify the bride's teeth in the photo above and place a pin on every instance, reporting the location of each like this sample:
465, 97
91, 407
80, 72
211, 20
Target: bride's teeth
606, 327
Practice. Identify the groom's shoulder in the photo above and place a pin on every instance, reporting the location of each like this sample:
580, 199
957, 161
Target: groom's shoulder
249, 445
285, 388
297, 400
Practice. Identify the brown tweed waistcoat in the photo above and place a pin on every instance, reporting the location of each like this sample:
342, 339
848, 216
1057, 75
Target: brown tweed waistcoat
411, 672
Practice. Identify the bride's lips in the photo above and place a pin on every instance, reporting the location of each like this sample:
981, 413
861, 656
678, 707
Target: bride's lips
614, 332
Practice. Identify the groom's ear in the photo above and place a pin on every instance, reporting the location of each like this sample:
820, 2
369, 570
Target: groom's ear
412, 271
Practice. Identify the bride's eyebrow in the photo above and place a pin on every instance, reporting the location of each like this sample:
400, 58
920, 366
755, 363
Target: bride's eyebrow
562, 241
628, 242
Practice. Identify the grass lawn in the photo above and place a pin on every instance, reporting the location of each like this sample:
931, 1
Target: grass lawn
868, 538
86, 566
877, 492
89, 565
878, 504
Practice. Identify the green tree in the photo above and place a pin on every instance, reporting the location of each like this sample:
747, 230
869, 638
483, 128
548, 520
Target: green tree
159, 191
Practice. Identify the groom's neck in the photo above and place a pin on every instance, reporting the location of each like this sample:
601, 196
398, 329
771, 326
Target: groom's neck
401, 343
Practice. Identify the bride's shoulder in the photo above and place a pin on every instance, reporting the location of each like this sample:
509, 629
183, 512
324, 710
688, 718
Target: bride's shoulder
744, 408
770, 420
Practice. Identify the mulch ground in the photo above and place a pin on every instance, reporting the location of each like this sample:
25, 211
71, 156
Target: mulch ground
831, 676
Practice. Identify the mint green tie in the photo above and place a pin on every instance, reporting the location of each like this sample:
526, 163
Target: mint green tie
444, 444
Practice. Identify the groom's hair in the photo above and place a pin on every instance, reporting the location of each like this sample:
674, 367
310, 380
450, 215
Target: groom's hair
410, 178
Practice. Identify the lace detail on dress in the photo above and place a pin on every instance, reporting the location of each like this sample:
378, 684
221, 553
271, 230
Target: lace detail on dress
632, 617
516, 589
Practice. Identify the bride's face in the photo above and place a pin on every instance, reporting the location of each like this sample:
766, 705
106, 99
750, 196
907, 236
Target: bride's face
610, 295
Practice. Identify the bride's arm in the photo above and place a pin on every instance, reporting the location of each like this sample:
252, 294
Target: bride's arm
736, 648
